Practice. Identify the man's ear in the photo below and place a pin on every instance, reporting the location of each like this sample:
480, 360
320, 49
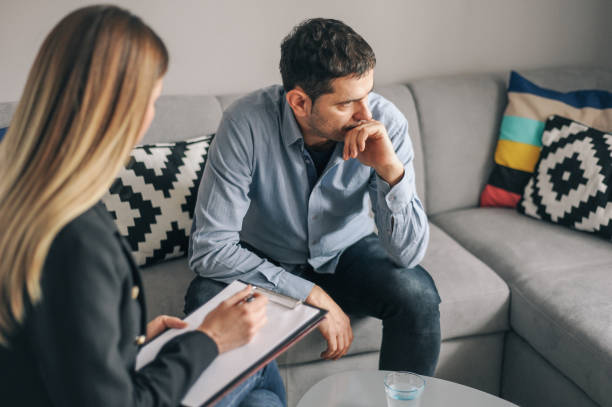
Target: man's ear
300, 102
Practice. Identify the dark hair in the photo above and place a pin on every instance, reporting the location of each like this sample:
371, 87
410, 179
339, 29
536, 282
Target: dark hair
319, 50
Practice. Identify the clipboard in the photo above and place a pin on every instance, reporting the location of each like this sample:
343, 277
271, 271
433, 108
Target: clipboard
289, 320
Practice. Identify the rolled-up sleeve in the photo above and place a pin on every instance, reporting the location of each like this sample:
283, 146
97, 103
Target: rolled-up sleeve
399, 214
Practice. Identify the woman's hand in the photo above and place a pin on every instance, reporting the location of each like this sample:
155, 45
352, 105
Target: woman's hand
236, 320
161, 323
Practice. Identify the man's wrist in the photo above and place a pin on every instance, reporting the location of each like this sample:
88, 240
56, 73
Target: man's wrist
313, 296
391, 173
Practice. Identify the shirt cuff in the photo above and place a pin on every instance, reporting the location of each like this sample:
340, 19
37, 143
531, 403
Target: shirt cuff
294, 286
398, 197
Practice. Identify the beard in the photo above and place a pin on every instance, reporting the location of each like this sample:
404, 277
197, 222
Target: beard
329, 131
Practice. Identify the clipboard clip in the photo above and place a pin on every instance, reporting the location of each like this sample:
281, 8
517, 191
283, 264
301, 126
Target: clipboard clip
284, 300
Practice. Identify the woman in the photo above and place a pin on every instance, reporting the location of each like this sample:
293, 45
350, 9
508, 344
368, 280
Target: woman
71, 307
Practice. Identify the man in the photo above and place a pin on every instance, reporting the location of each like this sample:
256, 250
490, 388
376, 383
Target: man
282, 203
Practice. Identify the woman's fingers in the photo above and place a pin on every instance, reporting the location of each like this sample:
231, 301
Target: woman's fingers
173, 322
239, 296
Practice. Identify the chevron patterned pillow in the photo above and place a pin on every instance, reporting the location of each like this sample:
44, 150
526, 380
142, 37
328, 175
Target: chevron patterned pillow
572, 182
153, 198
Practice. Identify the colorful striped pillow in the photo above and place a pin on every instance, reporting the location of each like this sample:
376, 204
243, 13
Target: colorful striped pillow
520, 136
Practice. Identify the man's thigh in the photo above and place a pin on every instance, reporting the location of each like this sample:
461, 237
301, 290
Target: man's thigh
368, 282
200, 291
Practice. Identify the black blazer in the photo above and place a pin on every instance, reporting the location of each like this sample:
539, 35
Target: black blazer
78, 346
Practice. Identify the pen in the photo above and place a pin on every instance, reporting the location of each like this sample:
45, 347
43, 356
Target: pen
272, 296
249, 298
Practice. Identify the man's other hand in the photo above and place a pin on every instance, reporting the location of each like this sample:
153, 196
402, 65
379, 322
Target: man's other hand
335, 328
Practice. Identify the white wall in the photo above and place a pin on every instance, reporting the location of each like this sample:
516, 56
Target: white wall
227, 46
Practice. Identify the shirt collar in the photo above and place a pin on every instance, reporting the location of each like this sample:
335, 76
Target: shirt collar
290, 132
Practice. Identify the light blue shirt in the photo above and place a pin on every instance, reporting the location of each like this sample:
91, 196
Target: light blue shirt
258, 187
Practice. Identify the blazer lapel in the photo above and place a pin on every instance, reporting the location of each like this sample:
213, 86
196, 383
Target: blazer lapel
127, 251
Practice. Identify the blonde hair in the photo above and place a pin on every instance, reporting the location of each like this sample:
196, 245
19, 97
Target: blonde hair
80, 114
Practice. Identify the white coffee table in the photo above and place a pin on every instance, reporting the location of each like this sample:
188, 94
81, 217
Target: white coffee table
365, 388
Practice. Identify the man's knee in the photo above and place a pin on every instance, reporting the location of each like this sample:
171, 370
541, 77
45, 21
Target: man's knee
201, 290
416, 292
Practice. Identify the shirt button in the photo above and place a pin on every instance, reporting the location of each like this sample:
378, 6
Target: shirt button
135, 291
140, 340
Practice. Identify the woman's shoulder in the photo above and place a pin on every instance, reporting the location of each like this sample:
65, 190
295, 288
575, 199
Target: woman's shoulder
93, 224
89, 240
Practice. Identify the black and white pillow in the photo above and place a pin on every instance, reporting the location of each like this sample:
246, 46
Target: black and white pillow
572, 181
153, 198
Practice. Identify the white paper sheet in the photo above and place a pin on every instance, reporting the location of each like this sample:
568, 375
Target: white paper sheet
282, 323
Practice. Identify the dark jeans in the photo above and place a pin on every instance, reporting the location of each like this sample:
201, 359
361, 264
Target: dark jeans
368, 282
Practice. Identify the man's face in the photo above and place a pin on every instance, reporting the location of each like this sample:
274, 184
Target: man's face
334, 114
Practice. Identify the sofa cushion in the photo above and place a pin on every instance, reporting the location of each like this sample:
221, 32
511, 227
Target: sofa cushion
566, 315
520, 136
474, 302
152, 199
561, 284
165, 285
572, 182
509, 242
530, 380
459, 118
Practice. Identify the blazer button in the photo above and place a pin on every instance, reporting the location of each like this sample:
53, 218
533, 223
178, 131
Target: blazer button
140, 340
135, 291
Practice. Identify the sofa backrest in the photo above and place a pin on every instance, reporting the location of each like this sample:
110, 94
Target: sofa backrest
6, 112
460, 118
182, 117
454, 123
402, 98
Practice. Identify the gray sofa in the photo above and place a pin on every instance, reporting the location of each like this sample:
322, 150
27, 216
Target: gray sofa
526, 307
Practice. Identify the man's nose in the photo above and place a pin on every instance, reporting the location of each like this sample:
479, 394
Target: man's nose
362, 112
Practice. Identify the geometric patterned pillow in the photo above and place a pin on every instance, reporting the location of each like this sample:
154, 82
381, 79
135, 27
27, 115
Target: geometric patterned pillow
520, 135
153, 198
572, 182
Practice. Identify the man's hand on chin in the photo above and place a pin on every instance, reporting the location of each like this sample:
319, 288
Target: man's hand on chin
335, 328
370, 144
